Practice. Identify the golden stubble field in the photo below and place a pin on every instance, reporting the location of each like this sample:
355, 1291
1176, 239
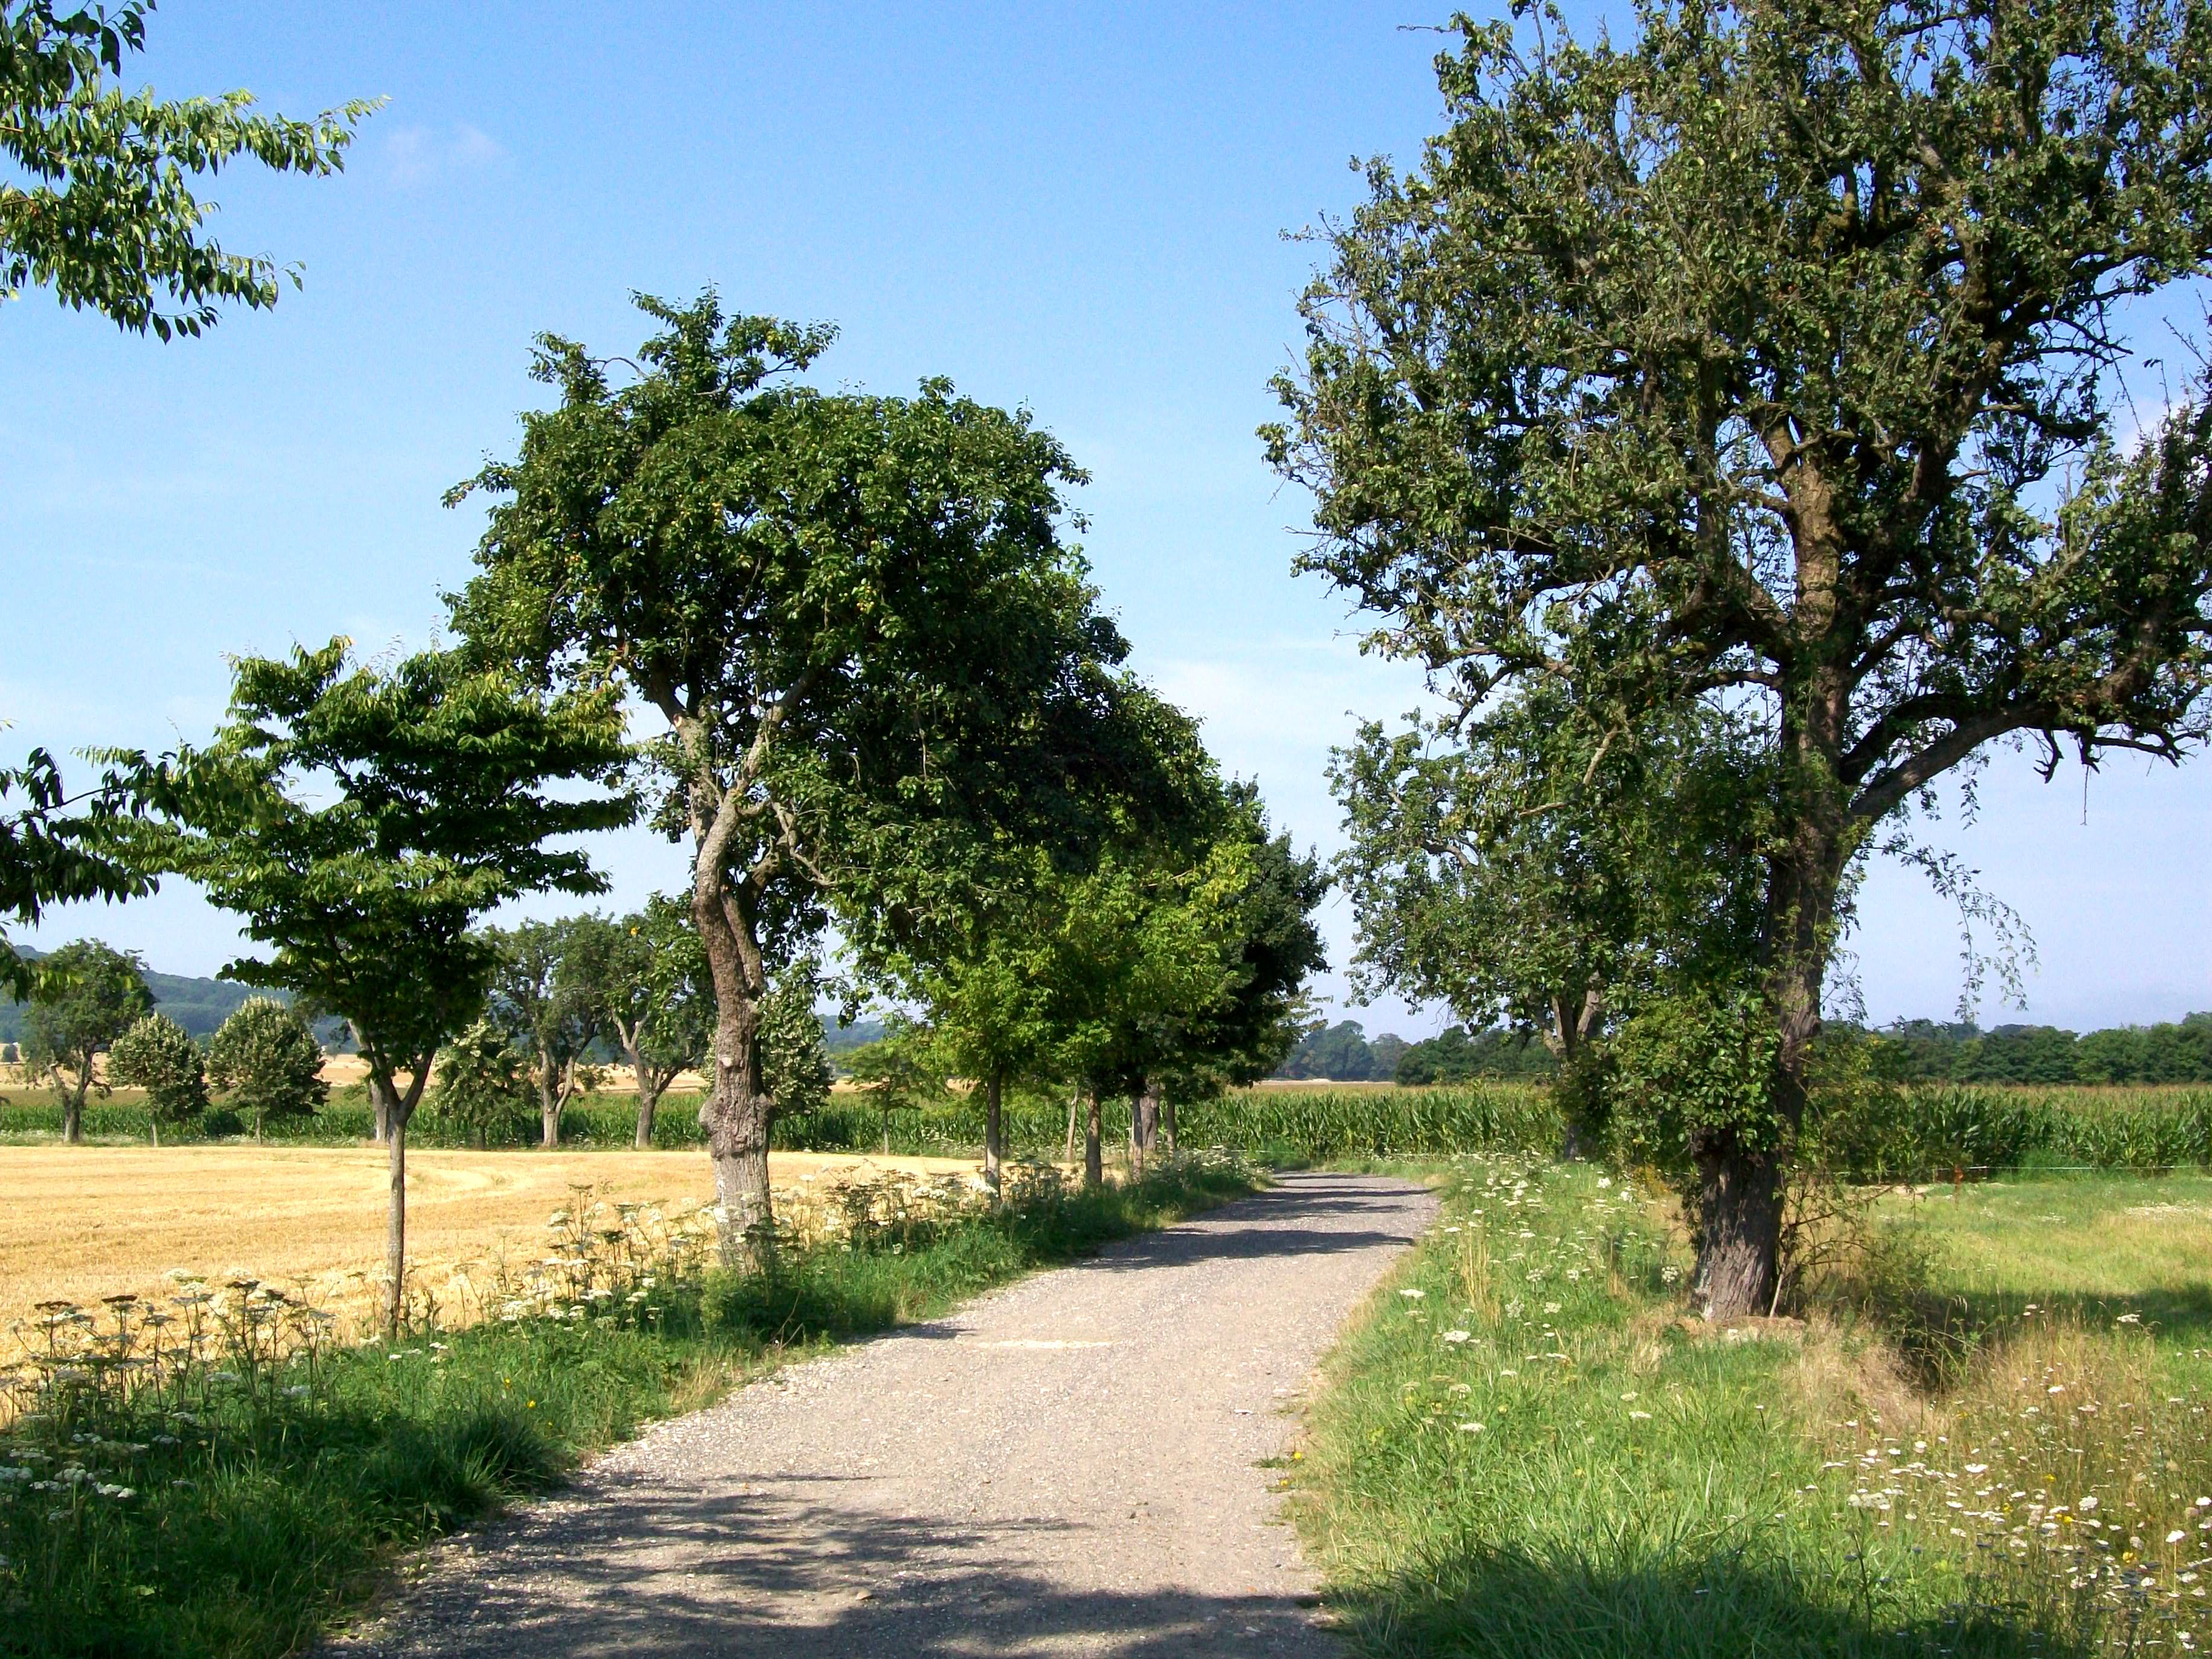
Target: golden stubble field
79, 1222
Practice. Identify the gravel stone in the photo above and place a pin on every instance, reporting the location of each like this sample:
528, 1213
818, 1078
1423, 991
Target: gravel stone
1068, 1466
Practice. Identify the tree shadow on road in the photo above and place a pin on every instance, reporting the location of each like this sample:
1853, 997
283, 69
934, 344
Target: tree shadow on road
746, 1576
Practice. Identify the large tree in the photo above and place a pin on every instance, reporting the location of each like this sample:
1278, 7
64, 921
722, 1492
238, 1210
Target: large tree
102, 211
655, 994
1768, 355
1272, 945
546, 994
361, 821
84, 997
854, 614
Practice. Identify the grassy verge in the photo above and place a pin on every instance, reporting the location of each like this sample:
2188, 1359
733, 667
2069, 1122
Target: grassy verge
190, 1482
1527, 1451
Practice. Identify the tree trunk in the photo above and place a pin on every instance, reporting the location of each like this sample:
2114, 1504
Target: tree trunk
154, 1128
1075, 1104
1739, 1234
549, 1101
648, 1097
1740, 1182
1168, 1124
73, 1109
1144, 1126
1094, 1166
379, 1106
395, 1231
994, 1145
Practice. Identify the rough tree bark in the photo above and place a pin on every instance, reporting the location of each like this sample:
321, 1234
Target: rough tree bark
1574, 1021
737, 1110
993, 1130
1144, 1126
1094, 1164
73, 1107
379, 1108
550, 1093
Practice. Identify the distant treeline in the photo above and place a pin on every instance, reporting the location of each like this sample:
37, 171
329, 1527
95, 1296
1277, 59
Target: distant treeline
1913, 1051
1922, 1049
1344, 1052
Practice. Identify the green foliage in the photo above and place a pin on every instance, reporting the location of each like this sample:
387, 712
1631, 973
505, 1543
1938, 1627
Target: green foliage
484, 1084
84, 997
549, 992
101, 212
1764, 357
435, 771
2165, 1052
159, 1055
1546, 863
794, 1061
656, 991
1453, 1057
1689, 1068
879, 666
267, 1064
51, 855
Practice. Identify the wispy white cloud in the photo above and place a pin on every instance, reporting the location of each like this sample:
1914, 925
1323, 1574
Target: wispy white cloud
419, 155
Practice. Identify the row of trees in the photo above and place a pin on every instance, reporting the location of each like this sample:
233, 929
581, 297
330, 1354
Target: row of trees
1723, 412
889, 710
1961, 1053
90, 1000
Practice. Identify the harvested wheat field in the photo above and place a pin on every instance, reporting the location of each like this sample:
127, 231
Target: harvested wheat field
83, 1221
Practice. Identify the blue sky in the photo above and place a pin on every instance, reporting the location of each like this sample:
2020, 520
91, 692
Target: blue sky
1079, 211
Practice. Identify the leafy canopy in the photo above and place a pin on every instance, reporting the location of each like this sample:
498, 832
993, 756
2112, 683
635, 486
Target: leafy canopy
854, 613
85, 995
360, 820
101, 209
159, 1055
267, 1062
1742, 355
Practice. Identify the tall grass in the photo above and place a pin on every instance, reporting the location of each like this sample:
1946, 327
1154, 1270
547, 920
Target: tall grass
1528, 1450
211, 1476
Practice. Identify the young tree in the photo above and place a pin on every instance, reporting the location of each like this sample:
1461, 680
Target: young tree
1525, 861
794, 1056
84, 997
895, 1073
1243, 1033
854, 613
483, 1082
159, 1055
655, 995
361, 821
545, 994
267, 1062
1768, 358
103, 216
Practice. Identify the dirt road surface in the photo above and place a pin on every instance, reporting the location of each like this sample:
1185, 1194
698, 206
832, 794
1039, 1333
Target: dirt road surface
1070, 1466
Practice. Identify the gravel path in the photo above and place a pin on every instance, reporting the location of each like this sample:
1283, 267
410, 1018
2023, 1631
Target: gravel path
1064, 1467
